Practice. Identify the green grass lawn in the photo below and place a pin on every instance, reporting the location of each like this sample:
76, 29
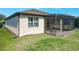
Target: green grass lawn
41, 42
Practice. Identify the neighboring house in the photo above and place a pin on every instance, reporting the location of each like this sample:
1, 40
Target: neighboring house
36, 22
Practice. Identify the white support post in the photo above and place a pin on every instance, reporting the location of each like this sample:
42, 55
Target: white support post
61, 25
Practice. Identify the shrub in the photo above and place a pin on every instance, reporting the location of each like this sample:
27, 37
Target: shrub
2, 23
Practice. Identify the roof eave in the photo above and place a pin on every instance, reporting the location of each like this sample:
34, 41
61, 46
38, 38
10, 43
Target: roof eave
15, 14
19, 13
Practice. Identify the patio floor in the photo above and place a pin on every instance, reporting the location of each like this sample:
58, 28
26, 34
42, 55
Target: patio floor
59, 33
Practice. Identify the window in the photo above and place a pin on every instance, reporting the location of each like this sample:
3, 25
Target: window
33, 22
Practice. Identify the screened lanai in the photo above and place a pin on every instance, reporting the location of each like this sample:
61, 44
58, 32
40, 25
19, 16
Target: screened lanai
58, 22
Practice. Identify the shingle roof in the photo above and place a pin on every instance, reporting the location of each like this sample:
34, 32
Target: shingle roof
30, 12
33, 11
38, 12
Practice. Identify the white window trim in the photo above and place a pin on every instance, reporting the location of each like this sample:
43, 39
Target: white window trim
33, 22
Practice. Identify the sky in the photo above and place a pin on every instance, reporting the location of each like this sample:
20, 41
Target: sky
69, 11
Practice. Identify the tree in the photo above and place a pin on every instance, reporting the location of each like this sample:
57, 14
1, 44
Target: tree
2, 19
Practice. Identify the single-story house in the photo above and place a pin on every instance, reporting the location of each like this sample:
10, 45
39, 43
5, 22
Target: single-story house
36, 22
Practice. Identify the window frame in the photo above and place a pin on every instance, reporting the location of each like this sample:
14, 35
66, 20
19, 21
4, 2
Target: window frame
32, 21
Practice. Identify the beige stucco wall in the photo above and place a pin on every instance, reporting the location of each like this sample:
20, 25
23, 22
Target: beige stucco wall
12, 24
25, 30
